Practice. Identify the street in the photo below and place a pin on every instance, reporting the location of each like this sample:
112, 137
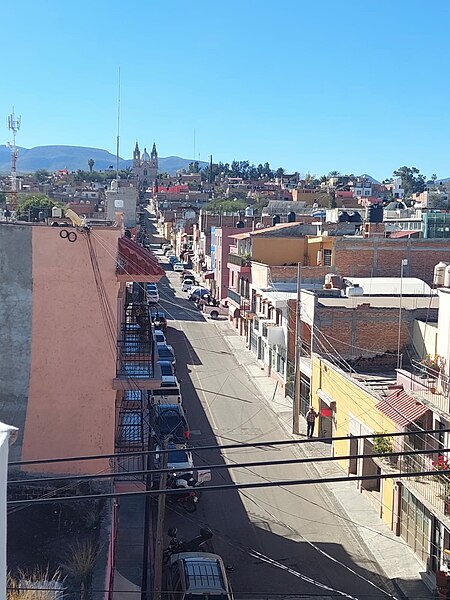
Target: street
279, 541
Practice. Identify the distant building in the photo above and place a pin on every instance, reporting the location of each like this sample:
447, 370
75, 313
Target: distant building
145, 167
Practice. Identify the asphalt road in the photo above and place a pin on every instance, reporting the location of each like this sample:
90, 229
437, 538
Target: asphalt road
278, 542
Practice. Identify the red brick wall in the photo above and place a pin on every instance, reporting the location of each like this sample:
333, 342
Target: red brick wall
365, 335
381, 257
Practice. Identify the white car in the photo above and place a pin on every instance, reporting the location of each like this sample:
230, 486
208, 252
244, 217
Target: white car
152, 293
179, 459
186, 285
178, 266
160, 338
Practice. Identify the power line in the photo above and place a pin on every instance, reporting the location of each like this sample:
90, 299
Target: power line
230, 446
238, 486
266, 463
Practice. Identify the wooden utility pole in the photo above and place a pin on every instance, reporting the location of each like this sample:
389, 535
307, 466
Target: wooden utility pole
157, 575
297, 376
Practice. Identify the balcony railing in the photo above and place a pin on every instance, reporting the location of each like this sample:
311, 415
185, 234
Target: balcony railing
240, 261
132, 431
234, 296
433, 488
136, 348
431, 386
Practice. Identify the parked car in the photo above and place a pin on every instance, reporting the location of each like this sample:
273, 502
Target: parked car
169, 419
159, 336
152, 293
173, 259
187, 284
178, 266
166, 352
167, 375
159, 319
186, 273
197, 575
179, 459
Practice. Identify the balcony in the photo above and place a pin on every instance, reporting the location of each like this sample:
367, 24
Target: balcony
435, 489
136, 364
234, 297
241, 261
429, 386
132, 430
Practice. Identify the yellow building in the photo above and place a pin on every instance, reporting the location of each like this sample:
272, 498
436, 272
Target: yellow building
347, 407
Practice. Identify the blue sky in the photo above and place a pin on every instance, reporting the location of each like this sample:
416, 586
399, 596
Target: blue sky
356, 86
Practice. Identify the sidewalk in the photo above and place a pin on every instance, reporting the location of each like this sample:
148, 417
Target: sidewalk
394, 557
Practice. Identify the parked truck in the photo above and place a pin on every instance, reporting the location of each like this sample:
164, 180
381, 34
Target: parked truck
214, 311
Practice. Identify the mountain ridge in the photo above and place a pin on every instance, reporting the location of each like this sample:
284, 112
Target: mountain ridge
72, 158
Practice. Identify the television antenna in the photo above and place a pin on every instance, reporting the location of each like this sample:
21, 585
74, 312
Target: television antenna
13, 126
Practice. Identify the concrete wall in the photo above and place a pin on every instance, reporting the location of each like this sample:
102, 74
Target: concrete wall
122, 200
15, 326
278, 251
71, 403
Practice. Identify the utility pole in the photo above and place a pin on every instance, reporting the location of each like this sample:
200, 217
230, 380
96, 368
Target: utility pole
157, 575
147, 515
297, 376
399, 336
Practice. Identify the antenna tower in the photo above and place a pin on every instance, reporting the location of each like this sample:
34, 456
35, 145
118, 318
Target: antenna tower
14, 126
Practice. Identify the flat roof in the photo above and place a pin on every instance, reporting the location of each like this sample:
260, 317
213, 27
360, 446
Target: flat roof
385, 286
407, 302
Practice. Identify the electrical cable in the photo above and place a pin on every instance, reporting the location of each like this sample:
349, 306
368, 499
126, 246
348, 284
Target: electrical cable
228, 487
238, 445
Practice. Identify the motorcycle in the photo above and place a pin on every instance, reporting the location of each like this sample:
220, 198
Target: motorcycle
176, 546
188, 486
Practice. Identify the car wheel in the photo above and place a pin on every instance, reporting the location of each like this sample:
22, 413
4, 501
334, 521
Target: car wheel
214, 314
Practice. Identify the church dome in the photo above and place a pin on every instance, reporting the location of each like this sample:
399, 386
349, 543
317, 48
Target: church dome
145, 156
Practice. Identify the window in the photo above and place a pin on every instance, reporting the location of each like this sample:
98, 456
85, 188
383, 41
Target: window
145, 171
327, 258
232, 279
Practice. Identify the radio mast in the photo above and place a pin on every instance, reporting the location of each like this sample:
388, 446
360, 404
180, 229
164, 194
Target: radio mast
14, 126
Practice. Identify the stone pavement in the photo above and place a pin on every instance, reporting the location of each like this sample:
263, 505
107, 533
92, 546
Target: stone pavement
394, 557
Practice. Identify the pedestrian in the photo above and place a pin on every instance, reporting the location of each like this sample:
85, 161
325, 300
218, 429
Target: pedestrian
311, 417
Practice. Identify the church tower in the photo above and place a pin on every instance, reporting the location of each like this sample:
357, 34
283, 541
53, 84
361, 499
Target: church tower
136, 157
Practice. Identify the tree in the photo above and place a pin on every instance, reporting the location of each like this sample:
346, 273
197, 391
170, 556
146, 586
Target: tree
2, 198
333, 174
29, 206
42, 175
279, 172
413, 182
194, 167
91, 164
226, 205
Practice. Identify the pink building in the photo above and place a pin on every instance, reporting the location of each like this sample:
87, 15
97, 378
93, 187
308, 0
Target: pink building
220, 249
67, 357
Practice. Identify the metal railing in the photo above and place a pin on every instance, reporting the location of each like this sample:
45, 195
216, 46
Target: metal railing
132, 431
434, 489
136, 348
240, 261
234, 296
430, 385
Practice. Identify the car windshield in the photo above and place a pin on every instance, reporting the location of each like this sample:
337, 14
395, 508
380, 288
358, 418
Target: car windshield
178, 456
165, 352
170, 423
166, 370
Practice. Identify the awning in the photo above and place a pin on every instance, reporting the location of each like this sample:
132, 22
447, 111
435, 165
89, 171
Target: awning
208, 275
402, 408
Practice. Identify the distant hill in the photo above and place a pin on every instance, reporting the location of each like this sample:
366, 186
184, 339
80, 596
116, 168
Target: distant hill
72, 158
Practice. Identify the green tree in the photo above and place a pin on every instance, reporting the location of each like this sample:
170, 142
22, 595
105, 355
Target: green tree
2, 198
194, 167
28, 206
279, 172
42, 175
226, 205
413, 182
90, 163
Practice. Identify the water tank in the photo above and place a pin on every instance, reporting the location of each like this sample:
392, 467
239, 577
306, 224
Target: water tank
249, 211
333, 281
276, 219
354, 290
56, 212
439, 273
291, 217
447, 276
375, 213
